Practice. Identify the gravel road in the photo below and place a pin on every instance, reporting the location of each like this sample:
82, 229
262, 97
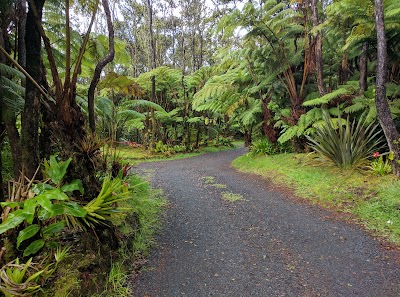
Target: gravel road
264, 244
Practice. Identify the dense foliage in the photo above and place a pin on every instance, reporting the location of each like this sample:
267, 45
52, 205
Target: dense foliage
175, 75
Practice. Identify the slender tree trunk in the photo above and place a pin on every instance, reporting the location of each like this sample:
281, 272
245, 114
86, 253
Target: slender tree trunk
247, 136
344, 70
153, 78
8, 123
382, 105
13, 137
21, 32
2, 133
319, 62
100, 65
364, 68
30, 115
268, 127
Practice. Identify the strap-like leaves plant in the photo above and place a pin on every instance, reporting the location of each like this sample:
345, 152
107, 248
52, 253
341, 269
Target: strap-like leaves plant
345, 144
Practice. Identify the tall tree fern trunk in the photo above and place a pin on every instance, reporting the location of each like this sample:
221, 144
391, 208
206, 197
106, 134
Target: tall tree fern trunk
382, 105
153, 78
364, 68
319, 62
8, 121
268, 125
30, 115
2, 133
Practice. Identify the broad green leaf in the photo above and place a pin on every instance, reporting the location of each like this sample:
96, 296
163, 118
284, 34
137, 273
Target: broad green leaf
34, 247
40, 188
57, 170
74, 209
27, 233
45, 203
53, 229
75, 185
30, 209
70, 208
43, 214
11, 204
13, 220
55, 194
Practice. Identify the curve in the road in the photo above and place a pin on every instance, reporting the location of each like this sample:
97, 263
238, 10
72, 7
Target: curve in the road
261, 244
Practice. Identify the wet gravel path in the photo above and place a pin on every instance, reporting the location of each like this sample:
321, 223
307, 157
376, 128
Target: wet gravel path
265, 244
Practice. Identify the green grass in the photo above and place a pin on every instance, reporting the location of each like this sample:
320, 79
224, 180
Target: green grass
148, 204
231, 197
373, 200
210, 180
134, 155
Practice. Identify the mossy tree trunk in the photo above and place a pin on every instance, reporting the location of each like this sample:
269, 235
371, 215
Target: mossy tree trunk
382, 105
31, 113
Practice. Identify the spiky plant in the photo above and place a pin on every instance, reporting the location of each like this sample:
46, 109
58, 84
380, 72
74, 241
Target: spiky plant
344, 143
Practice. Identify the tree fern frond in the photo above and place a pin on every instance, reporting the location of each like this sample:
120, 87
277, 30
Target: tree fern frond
12, 85
12, 100
130, 114
144, 103
347, 89
8, 71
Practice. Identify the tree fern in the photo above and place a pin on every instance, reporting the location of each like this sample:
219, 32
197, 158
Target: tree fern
348, 89
8, 71
133, 104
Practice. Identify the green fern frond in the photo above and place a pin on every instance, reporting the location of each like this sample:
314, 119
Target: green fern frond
12, 101
8, 71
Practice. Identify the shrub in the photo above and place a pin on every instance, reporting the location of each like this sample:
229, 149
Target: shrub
351, 144
264, 147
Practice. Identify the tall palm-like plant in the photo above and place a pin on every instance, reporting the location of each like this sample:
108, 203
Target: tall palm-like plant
346, 143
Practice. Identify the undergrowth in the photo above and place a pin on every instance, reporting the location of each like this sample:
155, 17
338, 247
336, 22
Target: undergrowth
138, 230
134, 155
373, 200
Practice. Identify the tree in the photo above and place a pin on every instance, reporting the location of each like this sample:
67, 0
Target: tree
100, 65
382, 106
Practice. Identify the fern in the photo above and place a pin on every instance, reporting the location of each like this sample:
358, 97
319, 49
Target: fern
130, 114
17, 88
12, 101
8, 71
343, 90
144, 104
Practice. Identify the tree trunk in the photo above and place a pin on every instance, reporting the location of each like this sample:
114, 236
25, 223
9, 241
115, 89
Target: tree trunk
30, 115
344, 70
319, 62
13, 137
364, 68
100, 65
2, 133
21, 11
247, 137
382, 105
153, 78
268, 127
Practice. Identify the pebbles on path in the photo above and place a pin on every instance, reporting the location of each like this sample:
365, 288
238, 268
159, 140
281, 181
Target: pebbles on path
263, 244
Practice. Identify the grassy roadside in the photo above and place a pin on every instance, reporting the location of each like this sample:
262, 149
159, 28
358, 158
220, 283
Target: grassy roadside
373, 200
134, 155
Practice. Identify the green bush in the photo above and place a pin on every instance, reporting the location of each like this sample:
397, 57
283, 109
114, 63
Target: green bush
264, 147
350, 144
